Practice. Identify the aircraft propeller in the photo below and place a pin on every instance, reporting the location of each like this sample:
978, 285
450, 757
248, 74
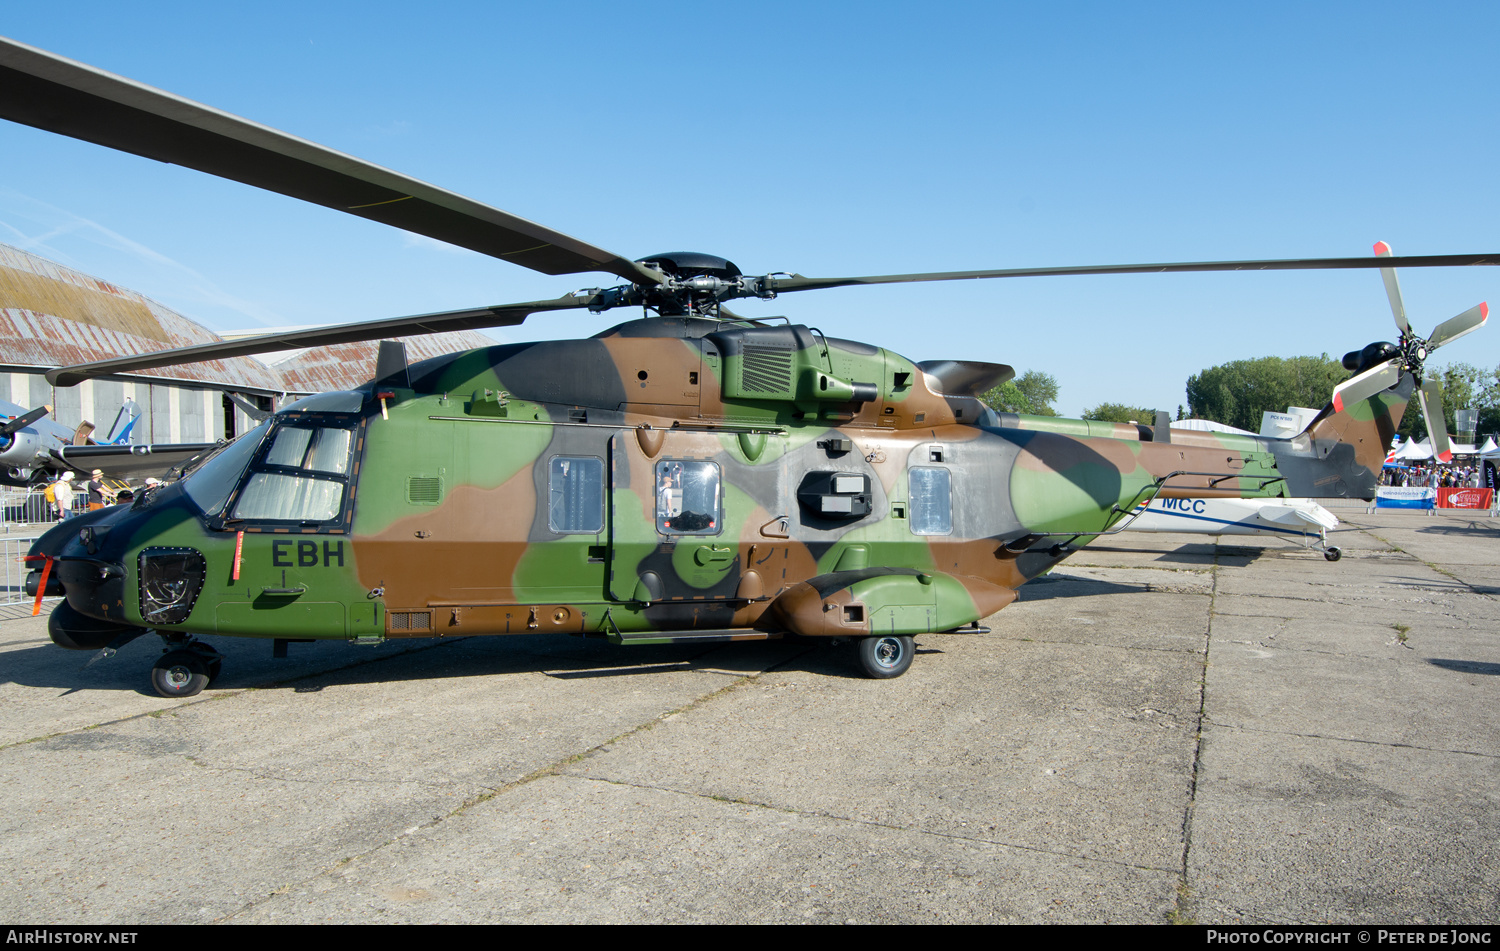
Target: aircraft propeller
1408, 356
12, 426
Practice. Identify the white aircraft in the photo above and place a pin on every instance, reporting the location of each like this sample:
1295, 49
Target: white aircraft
1300, 521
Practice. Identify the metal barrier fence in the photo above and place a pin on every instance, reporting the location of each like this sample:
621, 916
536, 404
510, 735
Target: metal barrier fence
1346, 505
25, 514
13, 570
30, 507
1351, 506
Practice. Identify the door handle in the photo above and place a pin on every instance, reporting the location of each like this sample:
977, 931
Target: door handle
710, 554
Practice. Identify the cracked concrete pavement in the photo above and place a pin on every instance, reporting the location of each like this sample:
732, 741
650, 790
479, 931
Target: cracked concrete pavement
1164, 729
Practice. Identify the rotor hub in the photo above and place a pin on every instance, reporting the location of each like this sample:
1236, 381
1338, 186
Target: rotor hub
684, 265
693, 284
1414, 349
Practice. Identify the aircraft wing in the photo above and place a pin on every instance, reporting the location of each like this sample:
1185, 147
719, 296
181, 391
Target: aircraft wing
130, 462
1232, 517
1299, 515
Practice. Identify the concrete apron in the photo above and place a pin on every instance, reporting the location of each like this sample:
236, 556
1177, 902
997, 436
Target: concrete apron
1335, 760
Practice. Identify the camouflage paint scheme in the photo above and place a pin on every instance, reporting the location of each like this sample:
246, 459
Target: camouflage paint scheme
444, 526
675, 478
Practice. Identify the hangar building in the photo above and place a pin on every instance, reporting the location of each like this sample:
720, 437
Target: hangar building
52, 315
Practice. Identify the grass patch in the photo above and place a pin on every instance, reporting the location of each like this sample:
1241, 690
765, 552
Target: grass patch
1180, 915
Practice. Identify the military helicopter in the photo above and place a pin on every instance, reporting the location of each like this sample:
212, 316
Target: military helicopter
689, 476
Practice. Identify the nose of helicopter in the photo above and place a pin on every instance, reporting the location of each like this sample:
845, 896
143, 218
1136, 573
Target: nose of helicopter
75, 560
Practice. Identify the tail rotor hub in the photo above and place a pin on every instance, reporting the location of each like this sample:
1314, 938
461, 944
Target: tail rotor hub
1414, 350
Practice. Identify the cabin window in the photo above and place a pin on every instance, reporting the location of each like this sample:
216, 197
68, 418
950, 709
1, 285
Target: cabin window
301, 476
931, 501
687, 498
575, 495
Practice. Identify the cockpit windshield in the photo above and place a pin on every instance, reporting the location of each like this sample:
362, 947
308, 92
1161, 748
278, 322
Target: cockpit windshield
211, 482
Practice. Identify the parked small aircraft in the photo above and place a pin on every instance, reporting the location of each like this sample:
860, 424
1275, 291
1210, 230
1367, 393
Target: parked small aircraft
34, 448
1300, 521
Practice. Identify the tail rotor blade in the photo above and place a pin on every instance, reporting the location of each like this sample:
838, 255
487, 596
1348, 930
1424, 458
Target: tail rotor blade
1392, 288
1366, 385
1431, 398
1455, 327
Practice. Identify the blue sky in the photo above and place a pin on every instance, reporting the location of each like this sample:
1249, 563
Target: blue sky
825, 139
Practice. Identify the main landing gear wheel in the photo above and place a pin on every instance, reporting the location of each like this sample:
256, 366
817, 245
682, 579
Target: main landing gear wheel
886, 656
181, 673
1333, 554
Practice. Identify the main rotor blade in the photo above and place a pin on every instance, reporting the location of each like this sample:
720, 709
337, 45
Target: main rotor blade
1455, 327
59, 95
506, 315
1430, 395
13, 426
1392, 288
1366, 385
796, 282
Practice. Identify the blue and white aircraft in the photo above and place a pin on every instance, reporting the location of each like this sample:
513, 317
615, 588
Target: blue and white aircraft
33, 447
1300, 521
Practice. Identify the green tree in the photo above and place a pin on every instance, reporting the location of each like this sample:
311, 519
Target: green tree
1237, 393
1464, 387
1488, 402
1120, 413
1032, 393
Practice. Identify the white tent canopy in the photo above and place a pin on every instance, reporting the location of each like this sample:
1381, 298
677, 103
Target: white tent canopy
1414, 451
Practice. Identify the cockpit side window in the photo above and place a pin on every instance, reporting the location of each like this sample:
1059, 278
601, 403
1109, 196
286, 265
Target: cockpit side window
300, 477
271, 495
318, 449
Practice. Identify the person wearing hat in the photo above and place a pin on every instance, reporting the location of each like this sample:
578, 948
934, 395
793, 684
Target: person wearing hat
96, 490
62, 494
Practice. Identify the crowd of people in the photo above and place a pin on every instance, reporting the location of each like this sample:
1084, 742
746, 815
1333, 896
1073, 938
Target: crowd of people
1439, 476
65, 496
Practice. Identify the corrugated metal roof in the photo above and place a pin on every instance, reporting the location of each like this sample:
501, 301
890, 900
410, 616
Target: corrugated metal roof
52, 315
346, 365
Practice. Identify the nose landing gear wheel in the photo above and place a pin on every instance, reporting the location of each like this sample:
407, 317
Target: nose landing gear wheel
886, 656
1333, 554
181, 673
